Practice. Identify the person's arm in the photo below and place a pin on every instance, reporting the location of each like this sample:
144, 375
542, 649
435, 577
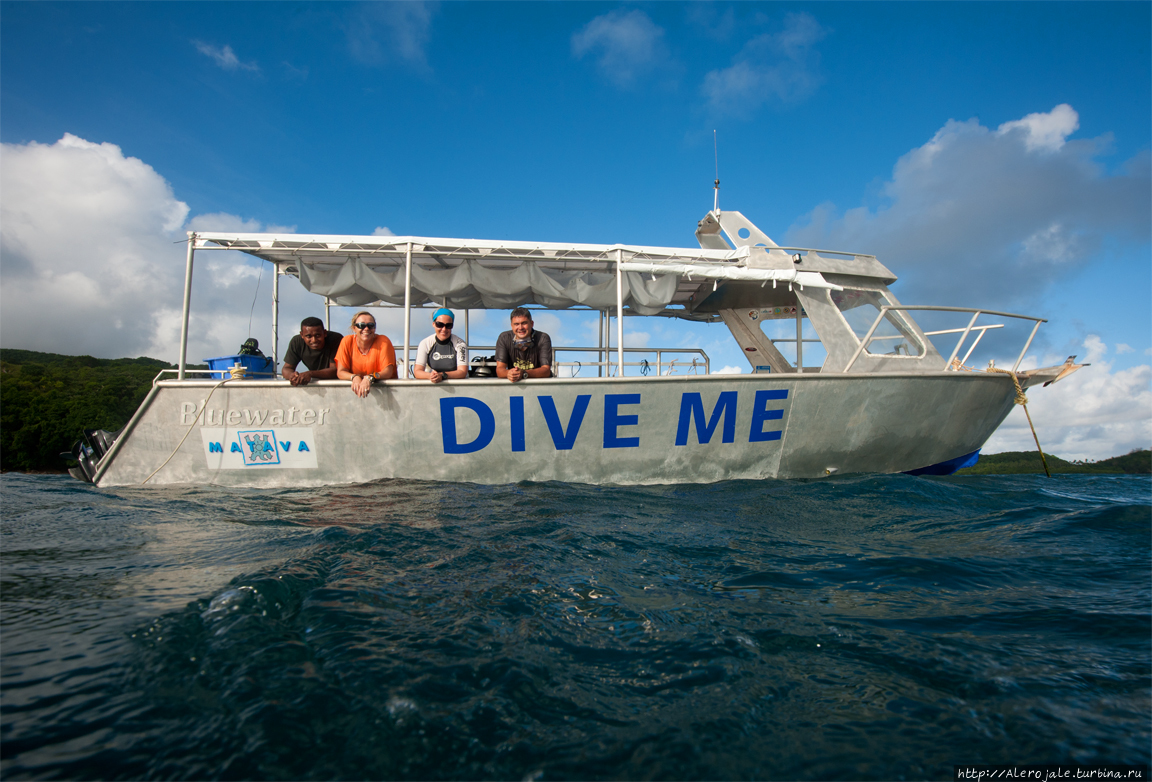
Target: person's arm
291, 359
504, 359
420, 366
324, 374
543, 356
512, 373
360, 383
461, 370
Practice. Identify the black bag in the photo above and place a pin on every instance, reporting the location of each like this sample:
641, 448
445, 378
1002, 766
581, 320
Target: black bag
251, 347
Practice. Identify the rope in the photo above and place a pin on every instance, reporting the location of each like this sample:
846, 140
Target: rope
190, 428
1022, 400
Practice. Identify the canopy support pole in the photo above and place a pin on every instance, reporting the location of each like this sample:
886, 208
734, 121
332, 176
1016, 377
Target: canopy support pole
600, 344
327, 314
799, 337
275, 316
187, 305
620, 313
466, 337
407, 308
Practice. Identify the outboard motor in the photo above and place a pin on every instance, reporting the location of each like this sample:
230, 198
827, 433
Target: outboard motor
100, 440
82, 454
483, 366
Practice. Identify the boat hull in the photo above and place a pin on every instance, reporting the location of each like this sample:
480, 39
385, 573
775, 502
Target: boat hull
599, 431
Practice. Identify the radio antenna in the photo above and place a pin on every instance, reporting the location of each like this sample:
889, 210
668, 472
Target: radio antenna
716, 186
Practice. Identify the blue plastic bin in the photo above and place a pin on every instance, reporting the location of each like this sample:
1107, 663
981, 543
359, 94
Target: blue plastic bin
260, 365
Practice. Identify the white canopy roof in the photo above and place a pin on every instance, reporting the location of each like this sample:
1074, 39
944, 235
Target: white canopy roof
472, 273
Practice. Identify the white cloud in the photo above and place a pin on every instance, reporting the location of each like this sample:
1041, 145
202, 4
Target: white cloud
1000, 215
225, 57
781, 67
1094, 414
383, 32
729, 371
97, 235
1121, 349
627, 45
222, 222
1046, 132
383, 230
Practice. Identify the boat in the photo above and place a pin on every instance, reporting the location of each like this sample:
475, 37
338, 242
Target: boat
881, 397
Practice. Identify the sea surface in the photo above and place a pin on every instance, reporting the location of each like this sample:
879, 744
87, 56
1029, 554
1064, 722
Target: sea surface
877, 627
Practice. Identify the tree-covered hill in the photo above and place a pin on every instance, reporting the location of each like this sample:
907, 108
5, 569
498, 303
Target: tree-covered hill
48, 400
1019, 462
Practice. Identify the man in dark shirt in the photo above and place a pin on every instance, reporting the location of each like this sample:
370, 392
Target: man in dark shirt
523, 351
314, 346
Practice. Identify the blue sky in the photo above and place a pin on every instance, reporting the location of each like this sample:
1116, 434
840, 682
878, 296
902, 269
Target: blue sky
992, 154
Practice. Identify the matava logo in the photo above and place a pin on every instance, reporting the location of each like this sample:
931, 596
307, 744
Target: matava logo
260, 447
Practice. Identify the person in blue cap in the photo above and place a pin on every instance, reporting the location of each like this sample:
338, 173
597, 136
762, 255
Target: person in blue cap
443, 355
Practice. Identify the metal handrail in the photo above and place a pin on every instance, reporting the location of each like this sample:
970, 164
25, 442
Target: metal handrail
976, 313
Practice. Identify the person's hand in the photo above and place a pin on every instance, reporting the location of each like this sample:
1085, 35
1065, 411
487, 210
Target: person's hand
515, 374
361, 384
300, 378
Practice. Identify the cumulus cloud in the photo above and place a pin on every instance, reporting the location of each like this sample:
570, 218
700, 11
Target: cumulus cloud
1002, 213
1045, 132
780, 67
383, 32
382, 230
626, 46
98, 237
730, 370
225, 57
1094, 414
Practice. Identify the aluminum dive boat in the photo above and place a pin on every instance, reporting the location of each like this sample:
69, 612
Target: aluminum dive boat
879, 397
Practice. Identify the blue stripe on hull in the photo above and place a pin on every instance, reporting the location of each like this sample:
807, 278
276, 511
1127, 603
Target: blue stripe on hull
948, 467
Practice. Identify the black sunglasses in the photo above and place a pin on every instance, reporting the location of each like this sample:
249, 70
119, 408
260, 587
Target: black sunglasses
440, 325
364, 325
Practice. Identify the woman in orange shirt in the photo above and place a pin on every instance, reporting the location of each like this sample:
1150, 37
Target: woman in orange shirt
365, 356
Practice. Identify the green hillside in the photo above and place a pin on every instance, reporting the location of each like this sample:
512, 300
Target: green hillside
48, 400
1021, 462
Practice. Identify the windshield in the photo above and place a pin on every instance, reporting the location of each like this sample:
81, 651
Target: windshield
893, 337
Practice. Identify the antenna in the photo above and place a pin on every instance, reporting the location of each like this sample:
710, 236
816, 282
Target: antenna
716, 186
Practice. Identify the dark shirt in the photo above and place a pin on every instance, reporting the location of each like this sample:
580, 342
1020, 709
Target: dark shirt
313, 359
538, 353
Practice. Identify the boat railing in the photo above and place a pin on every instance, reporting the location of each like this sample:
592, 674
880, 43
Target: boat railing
700, 360
700, 363
964, 332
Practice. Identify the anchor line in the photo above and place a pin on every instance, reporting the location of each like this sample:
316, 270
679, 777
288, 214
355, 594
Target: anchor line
192, 425
1022, 400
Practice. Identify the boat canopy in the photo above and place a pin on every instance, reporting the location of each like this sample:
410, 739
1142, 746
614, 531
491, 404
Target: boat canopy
471, 274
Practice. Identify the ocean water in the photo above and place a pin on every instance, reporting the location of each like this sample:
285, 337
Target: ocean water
877, 627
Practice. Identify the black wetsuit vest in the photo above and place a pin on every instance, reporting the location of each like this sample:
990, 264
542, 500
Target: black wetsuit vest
442, 356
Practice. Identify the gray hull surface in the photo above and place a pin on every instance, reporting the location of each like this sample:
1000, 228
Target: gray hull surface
598, 431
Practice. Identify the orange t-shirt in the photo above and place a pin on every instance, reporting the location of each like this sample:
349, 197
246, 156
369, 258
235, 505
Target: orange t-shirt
380, 356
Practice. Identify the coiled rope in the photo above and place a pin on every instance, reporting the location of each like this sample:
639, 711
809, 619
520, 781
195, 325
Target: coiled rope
1022, 400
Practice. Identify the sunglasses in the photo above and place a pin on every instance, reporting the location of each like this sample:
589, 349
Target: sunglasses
364, 325
440, 325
